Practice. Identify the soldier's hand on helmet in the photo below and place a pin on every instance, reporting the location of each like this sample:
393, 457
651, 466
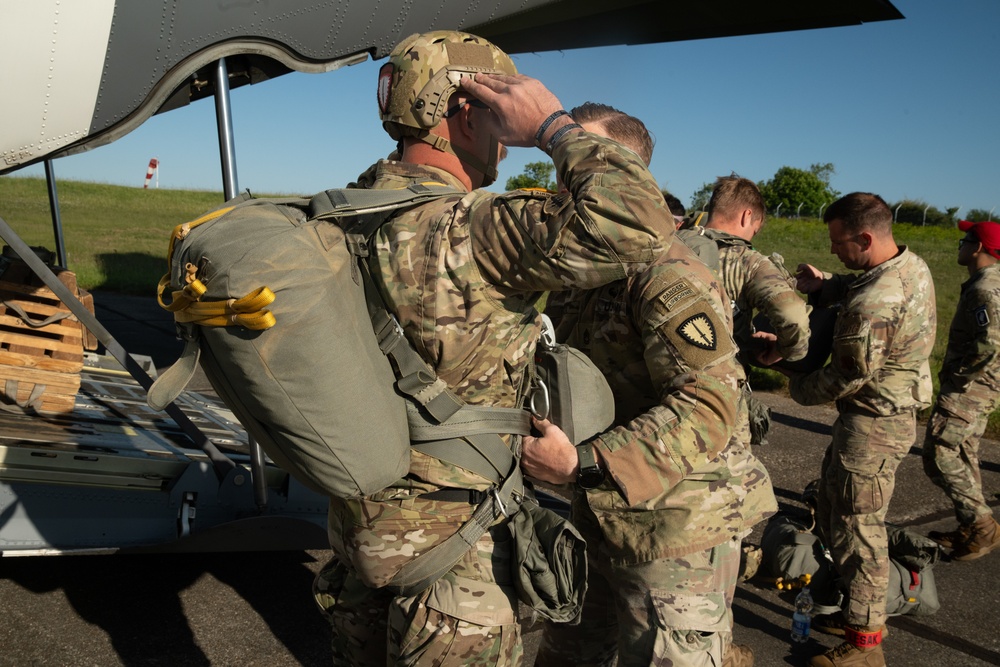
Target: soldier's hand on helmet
550, 457
520, 103
808, 279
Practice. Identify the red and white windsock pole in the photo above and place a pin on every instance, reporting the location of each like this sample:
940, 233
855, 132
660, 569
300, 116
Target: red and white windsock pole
154, 165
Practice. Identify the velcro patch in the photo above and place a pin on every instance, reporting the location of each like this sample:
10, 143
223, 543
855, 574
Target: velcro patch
699, 331
675, 293
982, 317
385, 87
698, 335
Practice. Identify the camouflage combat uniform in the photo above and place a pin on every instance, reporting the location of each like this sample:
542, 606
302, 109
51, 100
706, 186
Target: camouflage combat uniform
970, 391
462, 276
754, 283
879, 376
663, 531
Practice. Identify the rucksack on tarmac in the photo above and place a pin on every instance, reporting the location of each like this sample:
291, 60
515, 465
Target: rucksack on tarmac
790, 550
269, 295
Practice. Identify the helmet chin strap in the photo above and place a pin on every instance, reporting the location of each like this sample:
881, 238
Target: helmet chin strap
487, 168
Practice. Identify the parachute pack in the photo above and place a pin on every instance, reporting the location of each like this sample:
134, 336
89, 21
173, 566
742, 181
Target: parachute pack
269, 295
790, 550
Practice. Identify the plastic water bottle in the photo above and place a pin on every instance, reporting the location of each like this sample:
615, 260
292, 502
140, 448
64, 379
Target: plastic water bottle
802, 617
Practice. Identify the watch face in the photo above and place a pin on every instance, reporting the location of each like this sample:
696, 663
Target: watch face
590, 478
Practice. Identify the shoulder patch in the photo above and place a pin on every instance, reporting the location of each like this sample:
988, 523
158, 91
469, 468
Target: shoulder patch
699, 331
982, 316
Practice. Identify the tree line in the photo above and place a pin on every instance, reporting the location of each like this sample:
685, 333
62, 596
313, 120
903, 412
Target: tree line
790, 193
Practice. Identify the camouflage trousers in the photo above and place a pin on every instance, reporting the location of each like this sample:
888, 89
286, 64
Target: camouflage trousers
858, 477
668, 612
951, 460
468, 617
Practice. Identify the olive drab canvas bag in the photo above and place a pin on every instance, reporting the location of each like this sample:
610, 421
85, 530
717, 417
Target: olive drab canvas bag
791, 549
569, 389
269, 296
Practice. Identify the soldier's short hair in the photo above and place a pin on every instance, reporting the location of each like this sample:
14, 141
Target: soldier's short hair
627, 130
861, 212
734, 193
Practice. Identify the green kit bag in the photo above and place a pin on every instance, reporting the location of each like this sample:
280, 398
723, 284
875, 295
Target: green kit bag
268, 293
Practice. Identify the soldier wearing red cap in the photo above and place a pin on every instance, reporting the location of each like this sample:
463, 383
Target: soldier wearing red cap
970, 380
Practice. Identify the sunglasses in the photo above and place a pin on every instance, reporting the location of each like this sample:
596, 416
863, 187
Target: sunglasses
472, 102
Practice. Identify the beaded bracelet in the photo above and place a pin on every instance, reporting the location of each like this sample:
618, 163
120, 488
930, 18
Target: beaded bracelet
559, 135
545, 125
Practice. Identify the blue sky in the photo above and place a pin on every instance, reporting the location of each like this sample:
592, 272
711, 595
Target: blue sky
907, 109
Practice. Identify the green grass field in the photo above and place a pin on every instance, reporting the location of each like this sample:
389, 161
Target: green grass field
116, 239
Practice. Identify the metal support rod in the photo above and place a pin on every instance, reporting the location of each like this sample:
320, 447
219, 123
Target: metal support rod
57, 230
230, 186
224, 119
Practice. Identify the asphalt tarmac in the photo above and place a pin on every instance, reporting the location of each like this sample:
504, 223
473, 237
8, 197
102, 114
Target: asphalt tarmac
256, 609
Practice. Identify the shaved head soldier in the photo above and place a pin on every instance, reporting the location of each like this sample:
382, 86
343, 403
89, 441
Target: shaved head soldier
665, 496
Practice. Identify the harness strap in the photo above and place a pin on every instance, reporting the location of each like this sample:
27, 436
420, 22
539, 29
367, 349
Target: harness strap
362, 201
469, 420
430, 566
415, 377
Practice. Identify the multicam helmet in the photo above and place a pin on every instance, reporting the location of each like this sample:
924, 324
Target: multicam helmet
424, 70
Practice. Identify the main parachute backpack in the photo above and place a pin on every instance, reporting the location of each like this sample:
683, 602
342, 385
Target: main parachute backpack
269, 294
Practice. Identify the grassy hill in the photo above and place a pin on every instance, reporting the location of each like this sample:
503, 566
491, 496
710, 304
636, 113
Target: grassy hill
116, 239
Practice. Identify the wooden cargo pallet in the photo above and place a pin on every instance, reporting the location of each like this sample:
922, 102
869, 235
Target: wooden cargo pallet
40, 362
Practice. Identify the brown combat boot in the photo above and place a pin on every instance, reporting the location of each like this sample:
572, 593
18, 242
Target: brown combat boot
738, 655
985, 538
952, 538
861, 648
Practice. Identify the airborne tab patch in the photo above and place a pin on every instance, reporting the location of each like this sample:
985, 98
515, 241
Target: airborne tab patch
699, 331
678, 291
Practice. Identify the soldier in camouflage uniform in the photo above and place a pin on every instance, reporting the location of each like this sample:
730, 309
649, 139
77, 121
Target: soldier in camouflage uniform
753, 283
462, 275
664, 526
970, 391
879, 376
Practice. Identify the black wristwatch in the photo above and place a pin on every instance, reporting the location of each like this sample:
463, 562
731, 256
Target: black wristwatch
591, 475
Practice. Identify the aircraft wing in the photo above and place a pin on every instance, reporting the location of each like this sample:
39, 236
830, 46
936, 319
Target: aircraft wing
78, 75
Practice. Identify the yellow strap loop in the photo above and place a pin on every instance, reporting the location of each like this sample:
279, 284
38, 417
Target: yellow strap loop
248, 311
181, 231
180, 299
